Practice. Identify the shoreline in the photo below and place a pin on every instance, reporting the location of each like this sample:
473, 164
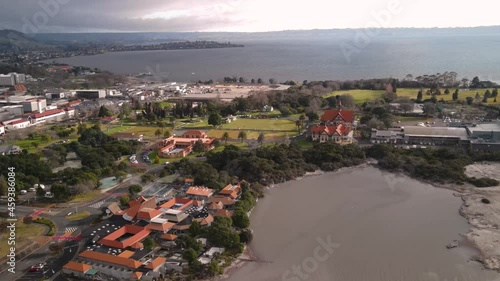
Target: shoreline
473, 238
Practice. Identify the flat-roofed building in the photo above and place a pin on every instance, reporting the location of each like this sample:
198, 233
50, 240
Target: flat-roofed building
446, 136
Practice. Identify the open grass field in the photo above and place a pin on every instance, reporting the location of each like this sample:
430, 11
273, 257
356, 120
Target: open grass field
261, 124
203, 124
147, 131
78, 216
86, 197
361, 96
28, 144
252, 135
25, 234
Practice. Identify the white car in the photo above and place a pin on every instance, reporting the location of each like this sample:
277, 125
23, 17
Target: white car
166, 163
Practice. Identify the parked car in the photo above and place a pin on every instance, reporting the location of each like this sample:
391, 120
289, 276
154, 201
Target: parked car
32, 189
23, 191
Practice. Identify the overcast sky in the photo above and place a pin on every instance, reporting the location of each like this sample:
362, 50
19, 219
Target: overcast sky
239, 15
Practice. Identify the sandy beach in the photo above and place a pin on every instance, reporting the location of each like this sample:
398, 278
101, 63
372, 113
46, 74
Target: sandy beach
379, 226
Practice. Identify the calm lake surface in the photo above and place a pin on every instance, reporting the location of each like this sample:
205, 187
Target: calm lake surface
318, 57
381, 233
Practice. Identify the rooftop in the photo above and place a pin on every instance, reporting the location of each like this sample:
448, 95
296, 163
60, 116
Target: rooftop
199, 191
449, 132
102, 257
78, 267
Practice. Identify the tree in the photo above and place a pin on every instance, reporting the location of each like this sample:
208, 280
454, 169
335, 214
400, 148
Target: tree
389, 96
246, 236
225, 136
347, 101
298, 124
56, 247
156, 159
195, 229
469, 100
46, 138
475, 83
199, 146
35, 144
447, 91
125, 109
158, 133
455, 95
81, 127
104, 112
241, 80
134, 189
419, 95
214, 119
242, 135
240, 219
313, 116
260, 139
494, 93
477, 97
260, 81
4, 186
120, 176
252, 81
190, 255
167, 134
148, 243
429, 109
124, 200
214, 269
272, 81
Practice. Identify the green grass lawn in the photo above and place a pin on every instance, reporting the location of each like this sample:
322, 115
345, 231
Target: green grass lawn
78, 216
360, 96
86, 197
261, 124
304, 143
28, 144
25, 234
201, 124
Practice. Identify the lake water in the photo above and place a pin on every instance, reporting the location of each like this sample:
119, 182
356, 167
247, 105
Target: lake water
318, 57
379, 231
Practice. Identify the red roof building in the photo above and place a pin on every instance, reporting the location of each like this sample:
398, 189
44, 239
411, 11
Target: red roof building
113, 240
110, 259
337, 116
340, 134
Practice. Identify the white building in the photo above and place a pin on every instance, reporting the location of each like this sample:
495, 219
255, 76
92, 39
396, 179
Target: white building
17, 124
2, 129
33, 105
12, 79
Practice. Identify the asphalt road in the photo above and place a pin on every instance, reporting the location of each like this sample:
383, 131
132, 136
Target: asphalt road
58, 216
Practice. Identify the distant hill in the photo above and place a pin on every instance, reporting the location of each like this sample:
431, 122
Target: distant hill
11, 40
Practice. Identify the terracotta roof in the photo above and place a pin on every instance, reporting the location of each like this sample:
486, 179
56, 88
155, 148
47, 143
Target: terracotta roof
331, 114
169, 237
223, 199
231, 190
181, 227
186, 202
103, 257
115, 209
189, 180
137, 245
223, 213
198, 203
156, 262
330, 130
137, 205
108, 118
160, 226
78, 267
148, 213
136, 275
138, 232
47, 113
199, 191
20, 88
205, 221
216, 206
126, 254
17, 122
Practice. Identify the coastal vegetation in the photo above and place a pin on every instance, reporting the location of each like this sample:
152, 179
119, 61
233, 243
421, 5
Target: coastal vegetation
435, 165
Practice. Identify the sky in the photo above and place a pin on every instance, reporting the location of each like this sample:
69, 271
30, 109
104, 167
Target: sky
34, 16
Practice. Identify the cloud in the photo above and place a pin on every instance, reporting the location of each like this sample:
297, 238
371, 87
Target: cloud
233, 15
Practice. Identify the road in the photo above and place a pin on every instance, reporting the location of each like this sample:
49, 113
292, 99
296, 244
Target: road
58, 216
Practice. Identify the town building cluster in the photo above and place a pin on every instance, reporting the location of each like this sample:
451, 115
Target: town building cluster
116, 248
